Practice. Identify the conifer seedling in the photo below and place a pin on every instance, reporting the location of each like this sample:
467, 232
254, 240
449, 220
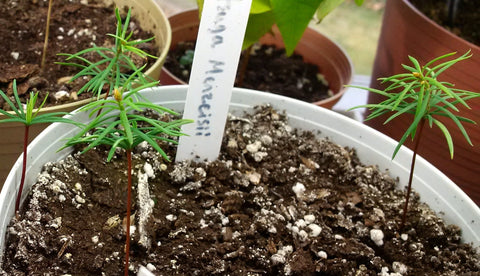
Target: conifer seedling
28, 116
419, 92
118, 126
115, 65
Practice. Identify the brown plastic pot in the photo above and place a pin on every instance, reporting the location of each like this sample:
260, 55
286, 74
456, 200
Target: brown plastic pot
151, 18
406, 31
315, 48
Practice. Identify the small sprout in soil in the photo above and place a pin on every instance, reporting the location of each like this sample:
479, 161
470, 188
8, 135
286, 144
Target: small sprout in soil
25, 114
126, 130
114, 66
420, 93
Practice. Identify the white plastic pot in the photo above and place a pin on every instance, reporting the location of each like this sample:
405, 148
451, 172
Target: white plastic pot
372, 147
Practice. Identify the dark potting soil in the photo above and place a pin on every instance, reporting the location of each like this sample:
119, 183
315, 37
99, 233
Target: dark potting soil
74, 26
278, 201
268, 69
465, 22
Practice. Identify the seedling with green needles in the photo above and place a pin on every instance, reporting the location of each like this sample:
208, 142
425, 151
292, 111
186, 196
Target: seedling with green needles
420, 93
28, 116
118, 126
115, 65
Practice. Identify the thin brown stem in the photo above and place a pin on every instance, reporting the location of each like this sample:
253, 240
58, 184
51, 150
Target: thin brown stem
24, 170
243, 66
47, 32
412, 167
129, 204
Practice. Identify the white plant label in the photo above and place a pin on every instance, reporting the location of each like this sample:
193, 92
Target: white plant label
217, 52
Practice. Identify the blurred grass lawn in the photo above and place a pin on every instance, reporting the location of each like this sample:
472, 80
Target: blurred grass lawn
356, 29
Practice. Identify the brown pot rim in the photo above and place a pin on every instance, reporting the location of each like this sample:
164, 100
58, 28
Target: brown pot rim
437, 26
328, 102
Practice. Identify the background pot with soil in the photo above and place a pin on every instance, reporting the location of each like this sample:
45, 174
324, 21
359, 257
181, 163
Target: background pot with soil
320, 61
252, 210
73, 27
407, 31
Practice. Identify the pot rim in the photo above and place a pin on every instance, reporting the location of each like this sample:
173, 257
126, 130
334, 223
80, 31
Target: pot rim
437, 26
346, 61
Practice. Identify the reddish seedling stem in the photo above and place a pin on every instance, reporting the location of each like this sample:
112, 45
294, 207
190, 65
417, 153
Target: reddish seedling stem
24, 170
129, 204
412, 167
243, 66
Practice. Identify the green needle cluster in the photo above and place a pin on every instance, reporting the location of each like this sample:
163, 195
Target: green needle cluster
420, 93
118, 126
26, 114
115, 65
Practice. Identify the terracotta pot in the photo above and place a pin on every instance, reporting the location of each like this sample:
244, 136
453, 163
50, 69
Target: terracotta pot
151, 18
406, 31
315, 48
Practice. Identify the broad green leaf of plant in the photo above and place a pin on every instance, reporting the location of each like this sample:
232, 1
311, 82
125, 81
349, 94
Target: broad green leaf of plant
260, 6
326, 6
258, 25
292, 18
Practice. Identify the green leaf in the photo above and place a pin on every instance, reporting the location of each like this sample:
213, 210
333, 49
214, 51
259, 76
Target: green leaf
260, 6
154, 144
114, 146
13, 120
412, 129
200, 7
126, 126
447, 135
444, 66
447, 103
418, 68
409, 68
257, 26
327, 6
377, 91
17, 100
292, 18
407, 109
428, 64
447, 91
401, 95
456, 120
